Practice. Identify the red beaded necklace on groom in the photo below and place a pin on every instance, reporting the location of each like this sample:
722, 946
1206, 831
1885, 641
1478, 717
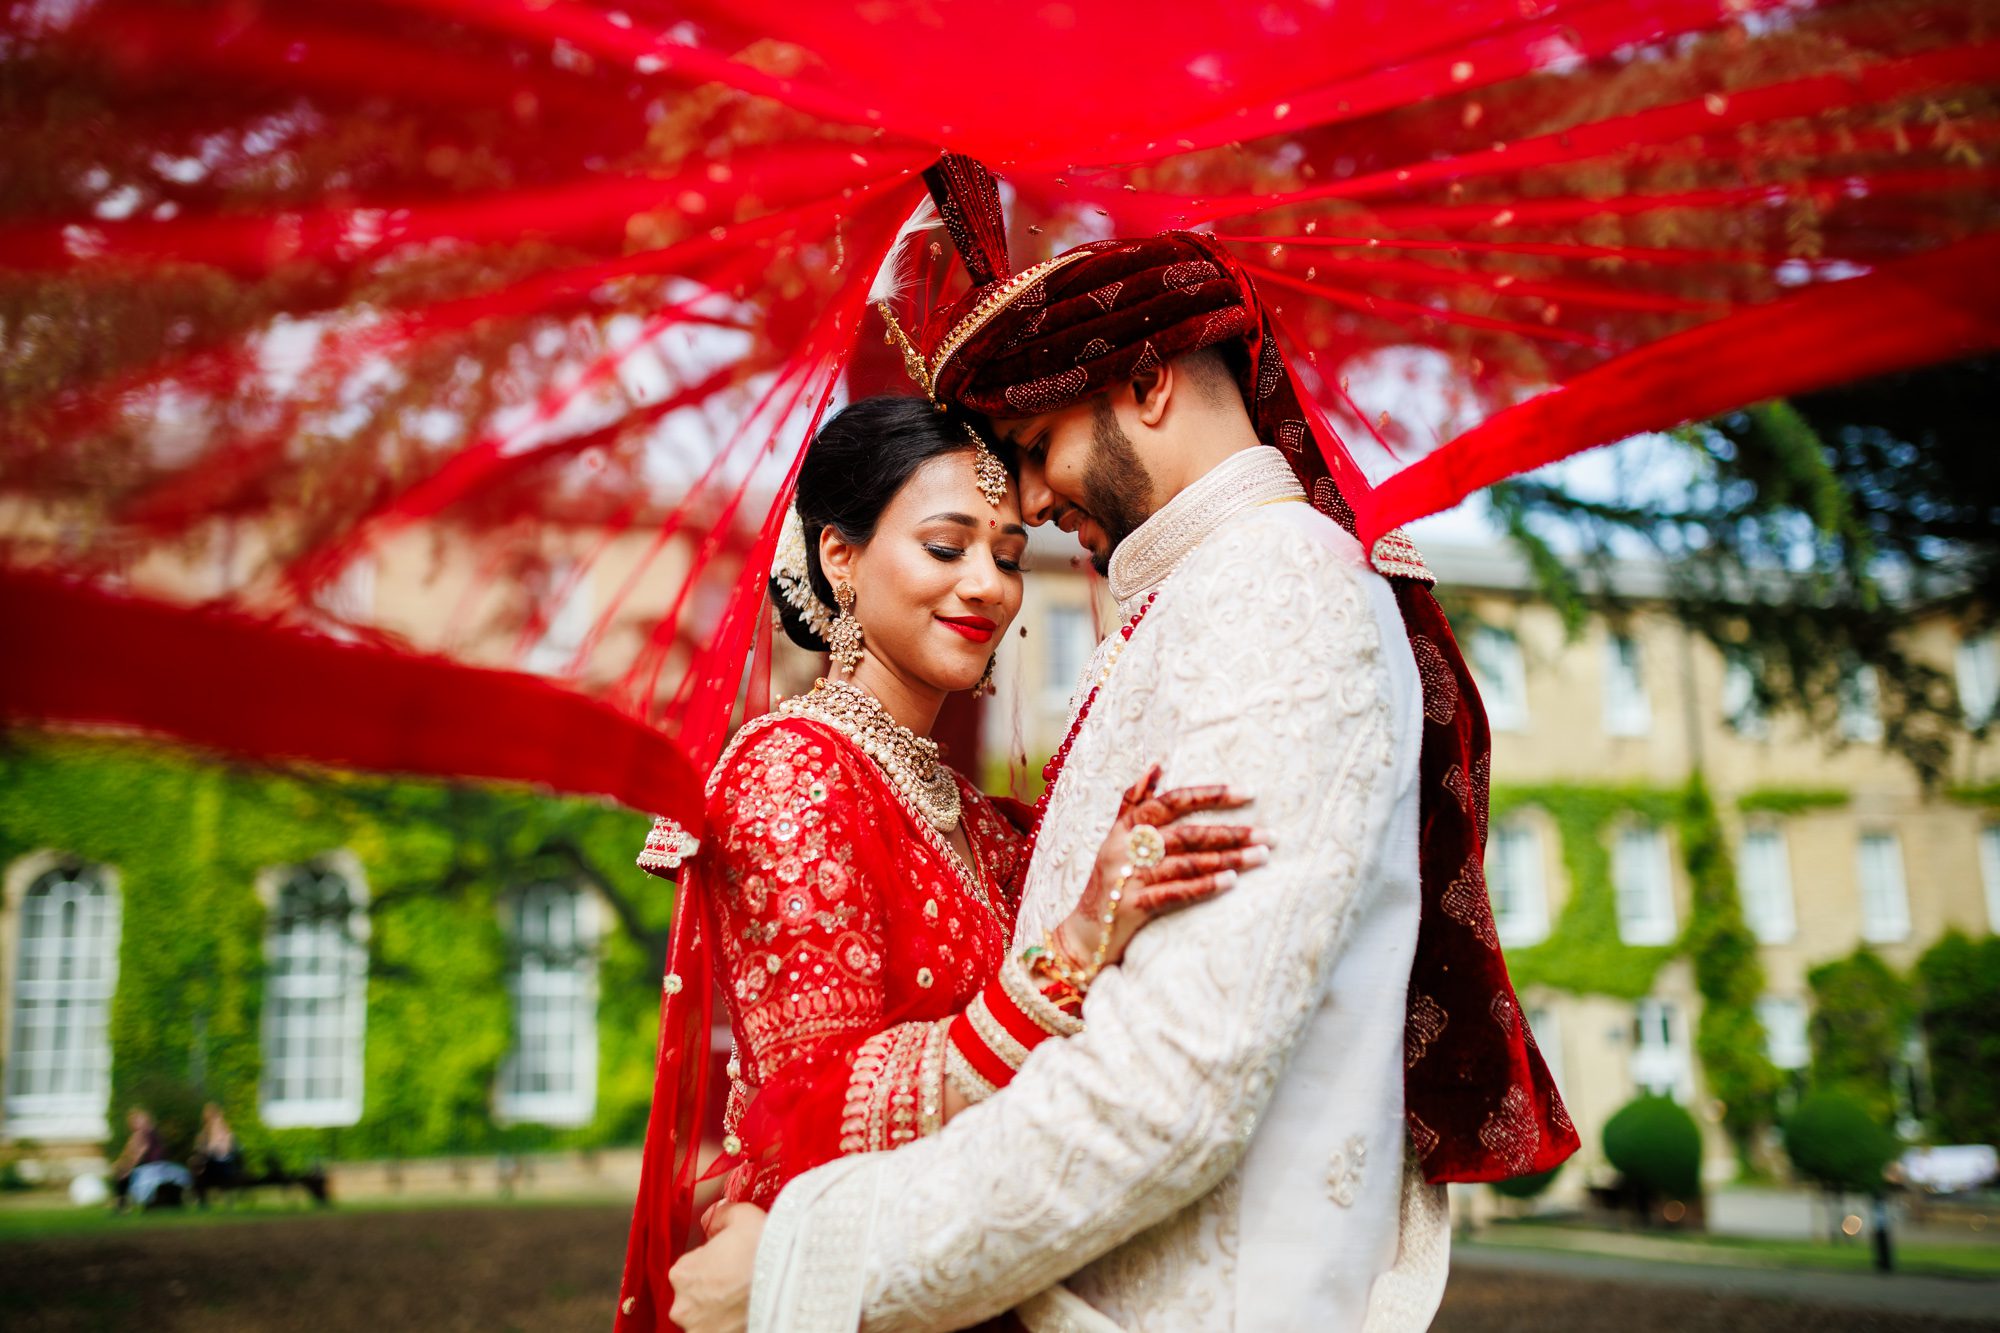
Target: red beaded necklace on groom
1480, 1103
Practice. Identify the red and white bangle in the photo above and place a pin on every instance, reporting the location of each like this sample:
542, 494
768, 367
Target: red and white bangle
990, 1041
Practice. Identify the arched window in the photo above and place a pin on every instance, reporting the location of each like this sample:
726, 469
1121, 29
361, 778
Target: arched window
550, 1074
65, 969
315, 998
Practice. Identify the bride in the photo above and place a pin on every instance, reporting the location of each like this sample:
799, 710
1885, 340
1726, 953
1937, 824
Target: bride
853, 896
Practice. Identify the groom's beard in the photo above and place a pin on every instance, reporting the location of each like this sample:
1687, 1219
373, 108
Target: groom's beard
1116, 489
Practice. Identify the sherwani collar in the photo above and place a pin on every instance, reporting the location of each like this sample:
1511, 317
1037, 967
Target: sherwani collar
1244, 480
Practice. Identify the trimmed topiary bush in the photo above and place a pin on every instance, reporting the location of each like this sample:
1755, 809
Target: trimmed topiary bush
1656, 1146
1528, 1186
1835, 1142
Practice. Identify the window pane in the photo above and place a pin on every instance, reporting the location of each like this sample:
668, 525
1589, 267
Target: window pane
1861, 704
1627, 712
314, 1002
549, 1074
1784, 1023
1639, 873
1765, 882
1502, 677
65, 965
1514, 879
1989, 867
1885, 908
1979, 679
1071, 642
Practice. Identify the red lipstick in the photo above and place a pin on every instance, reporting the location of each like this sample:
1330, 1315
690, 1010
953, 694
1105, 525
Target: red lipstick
976, 628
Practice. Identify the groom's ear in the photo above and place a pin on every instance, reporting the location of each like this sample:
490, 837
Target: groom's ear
1152, 389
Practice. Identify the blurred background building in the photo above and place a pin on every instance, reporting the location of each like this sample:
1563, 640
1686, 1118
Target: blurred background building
375, 970
1848, 868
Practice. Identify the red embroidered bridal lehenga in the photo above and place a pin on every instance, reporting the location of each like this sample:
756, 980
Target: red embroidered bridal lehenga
848, 929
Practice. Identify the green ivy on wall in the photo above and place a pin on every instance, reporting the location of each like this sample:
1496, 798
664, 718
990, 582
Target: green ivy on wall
1729, 1037
1861, 1009
1791, 800
187, 838
1583, 953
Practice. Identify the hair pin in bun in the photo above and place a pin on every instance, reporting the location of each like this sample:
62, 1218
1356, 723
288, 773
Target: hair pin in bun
788, 571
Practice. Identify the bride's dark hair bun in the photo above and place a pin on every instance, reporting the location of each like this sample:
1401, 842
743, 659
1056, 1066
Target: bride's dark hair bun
853, 468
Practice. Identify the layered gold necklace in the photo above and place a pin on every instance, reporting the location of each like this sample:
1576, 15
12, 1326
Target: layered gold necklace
908, 760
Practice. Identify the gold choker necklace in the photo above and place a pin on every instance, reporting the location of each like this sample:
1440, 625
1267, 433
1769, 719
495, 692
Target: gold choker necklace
908, 760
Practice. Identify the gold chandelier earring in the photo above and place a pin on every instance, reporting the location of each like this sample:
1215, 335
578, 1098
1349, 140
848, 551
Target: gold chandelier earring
985, 685
843, 638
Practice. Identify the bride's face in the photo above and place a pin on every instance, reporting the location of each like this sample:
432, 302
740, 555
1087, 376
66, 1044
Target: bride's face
940, 582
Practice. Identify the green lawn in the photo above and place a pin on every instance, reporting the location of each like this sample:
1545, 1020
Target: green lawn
1976, 1260
35, 1220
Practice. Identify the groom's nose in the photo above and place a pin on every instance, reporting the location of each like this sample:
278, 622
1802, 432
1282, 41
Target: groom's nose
1038, 502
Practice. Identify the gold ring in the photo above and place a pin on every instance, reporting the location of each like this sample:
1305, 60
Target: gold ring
1147, 845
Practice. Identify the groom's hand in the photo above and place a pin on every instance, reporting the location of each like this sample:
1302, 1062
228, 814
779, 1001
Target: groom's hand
712, 1284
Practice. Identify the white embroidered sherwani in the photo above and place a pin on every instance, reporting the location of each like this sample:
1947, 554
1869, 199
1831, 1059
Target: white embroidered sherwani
1223, 1146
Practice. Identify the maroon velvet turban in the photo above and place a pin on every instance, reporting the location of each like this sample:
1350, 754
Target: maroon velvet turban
1480, 1102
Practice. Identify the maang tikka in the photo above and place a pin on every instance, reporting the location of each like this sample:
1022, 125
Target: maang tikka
989, 473
843, 640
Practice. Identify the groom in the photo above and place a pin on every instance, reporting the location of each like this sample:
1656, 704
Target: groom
1252, 1130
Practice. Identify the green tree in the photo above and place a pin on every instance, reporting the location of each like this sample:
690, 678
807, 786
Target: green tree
1807, 530
1835, 1141
1958, 1003
1656, 1146
1861, 1009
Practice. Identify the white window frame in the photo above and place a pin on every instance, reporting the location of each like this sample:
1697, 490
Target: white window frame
1989, 871
1546, 1026
1861, 704
1502, 675
558, 1003
568, 621
1979, 678
1785, 1022
1740, 709
1628, 710
337, 1014
1662, 1059
1517, 881
1071, 634
1884, 892
1764, 884
85, 966
1642, 877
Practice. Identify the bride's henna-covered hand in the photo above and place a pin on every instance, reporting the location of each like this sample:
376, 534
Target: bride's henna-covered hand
1201, 860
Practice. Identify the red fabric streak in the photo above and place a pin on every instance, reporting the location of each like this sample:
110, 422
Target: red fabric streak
1833, 187
290, 51
256, 688
1634, 254
1682, 126
1939, 305
1425, 315
1455, 65
1412, 274
573, 211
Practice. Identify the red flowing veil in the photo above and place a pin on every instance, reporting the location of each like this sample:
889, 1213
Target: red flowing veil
544, 299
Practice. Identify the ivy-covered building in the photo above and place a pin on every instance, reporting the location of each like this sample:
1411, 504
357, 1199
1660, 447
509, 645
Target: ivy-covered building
1695, 898
352, 968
